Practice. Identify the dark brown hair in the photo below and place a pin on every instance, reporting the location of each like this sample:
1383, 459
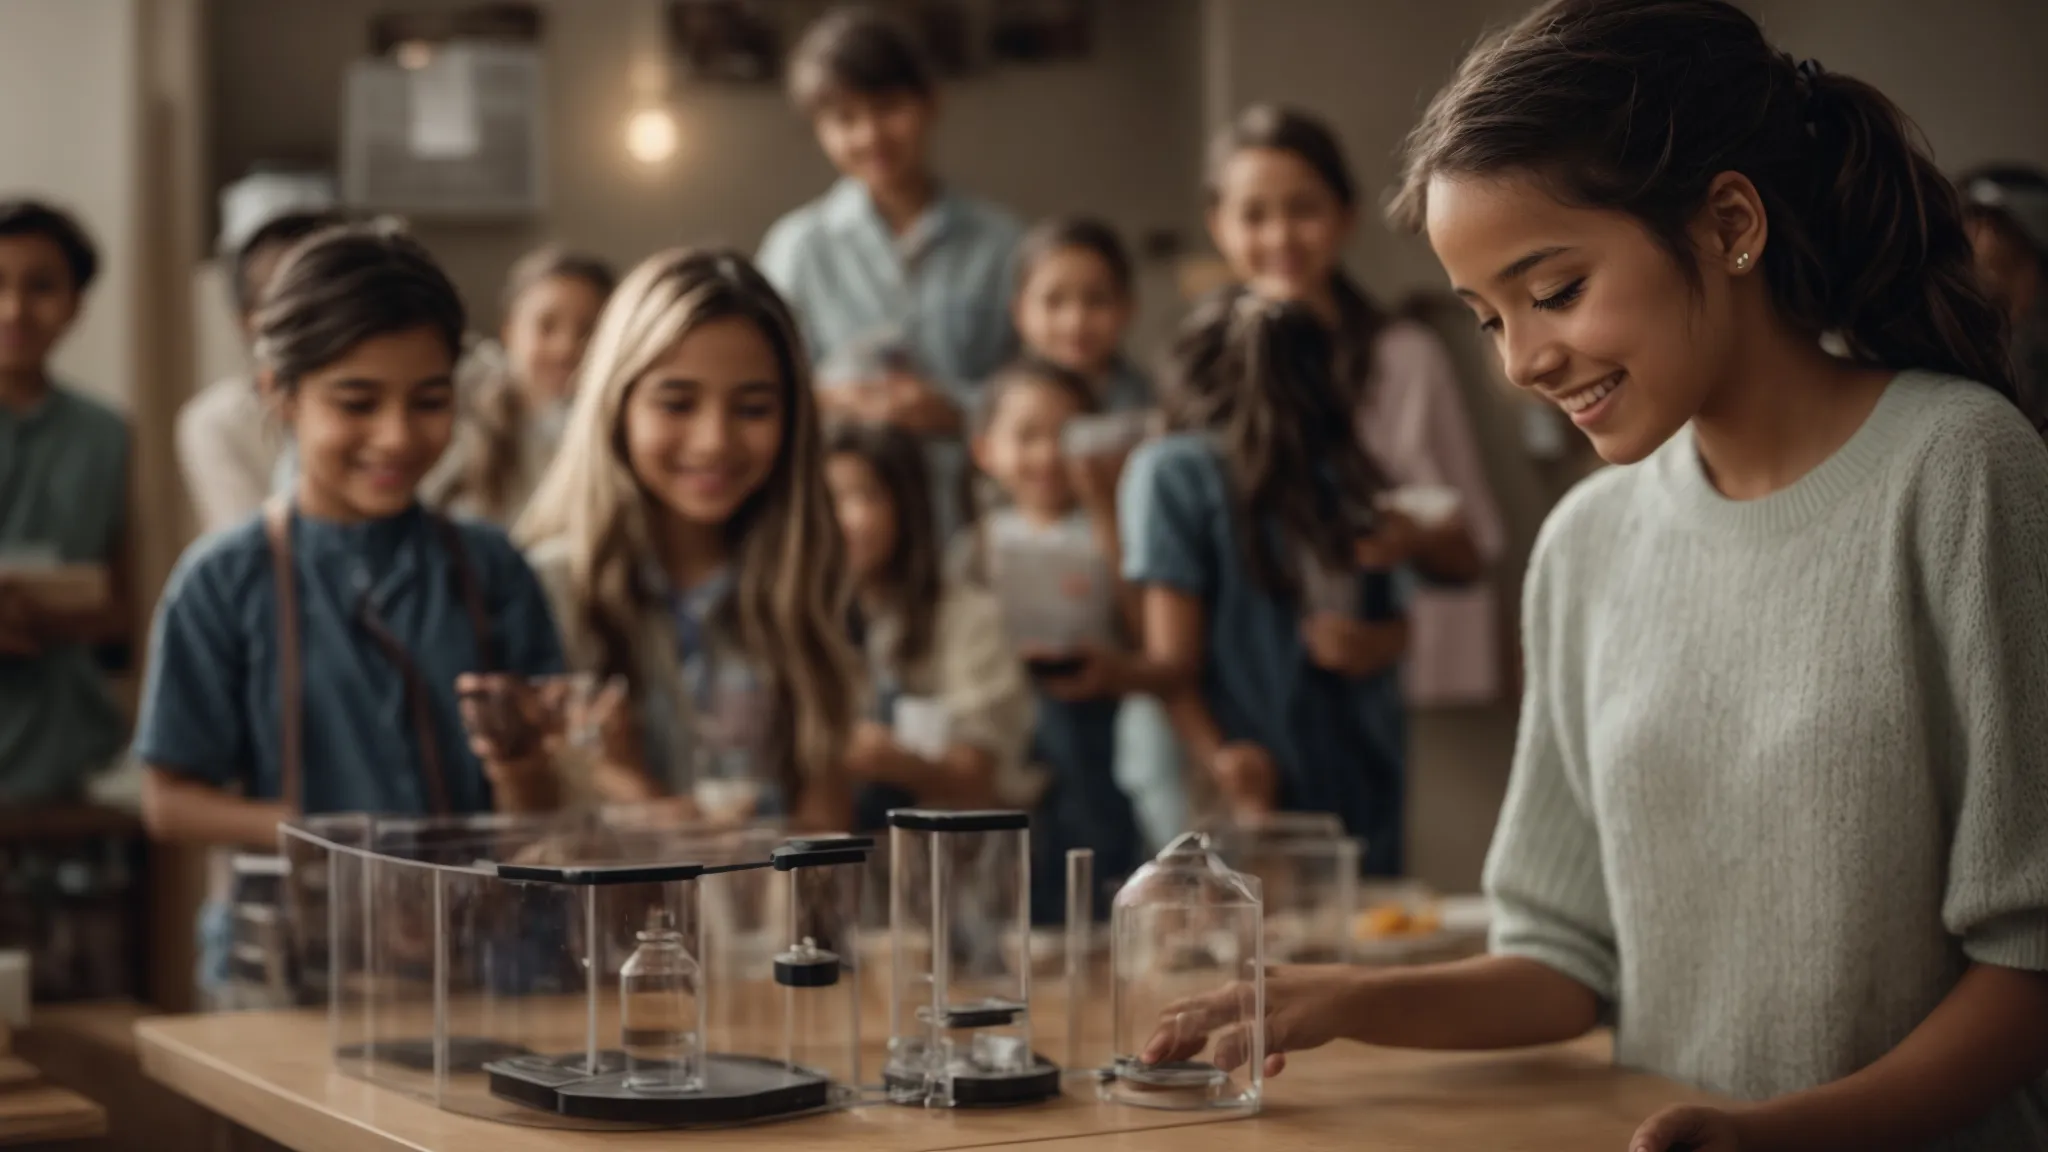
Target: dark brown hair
1085, 233
499, 413
35, 218
856, 51
1258, 377
1026, 370
1637, 105
341, 287
278, 232
1275, 128
910, 577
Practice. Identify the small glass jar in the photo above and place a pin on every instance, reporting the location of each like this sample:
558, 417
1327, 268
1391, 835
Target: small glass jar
661, 1012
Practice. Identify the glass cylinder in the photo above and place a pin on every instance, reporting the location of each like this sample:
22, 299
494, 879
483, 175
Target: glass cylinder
661, 1012
1187, 983
960, 928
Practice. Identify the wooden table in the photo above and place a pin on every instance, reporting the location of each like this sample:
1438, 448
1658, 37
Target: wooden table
270, 1073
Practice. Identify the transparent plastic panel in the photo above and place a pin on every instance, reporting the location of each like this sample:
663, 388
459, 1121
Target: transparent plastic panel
818, 971
912, 994
565, 995
402, 1049
746, 918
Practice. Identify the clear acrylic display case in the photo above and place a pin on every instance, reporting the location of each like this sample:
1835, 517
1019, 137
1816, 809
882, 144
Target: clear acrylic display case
960, 988
583, 970
1307, 869
1187, 959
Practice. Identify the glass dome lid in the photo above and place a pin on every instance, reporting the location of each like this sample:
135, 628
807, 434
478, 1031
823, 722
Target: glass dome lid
1187, 964
1189, 870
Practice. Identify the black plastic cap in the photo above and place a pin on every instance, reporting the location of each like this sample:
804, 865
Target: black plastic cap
932, 820
588, 875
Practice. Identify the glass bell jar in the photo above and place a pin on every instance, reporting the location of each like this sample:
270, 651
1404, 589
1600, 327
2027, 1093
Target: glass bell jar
1187, 984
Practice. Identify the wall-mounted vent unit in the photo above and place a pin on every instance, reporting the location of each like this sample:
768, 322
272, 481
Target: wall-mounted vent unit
449, 131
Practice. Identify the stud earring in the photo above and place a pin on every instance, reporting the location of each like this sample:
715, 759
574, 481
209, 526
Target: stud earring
1742, 262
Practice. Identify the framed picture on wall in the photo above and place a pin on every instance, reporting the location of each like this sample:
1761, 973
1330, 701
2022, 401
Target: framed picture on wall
946, 29
1041, 31
725, 41
409, 35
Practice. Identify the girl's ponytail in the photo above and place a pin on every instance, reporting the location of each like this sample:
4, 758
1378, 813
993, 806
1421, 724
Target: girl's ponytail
1886, 263
1259, 377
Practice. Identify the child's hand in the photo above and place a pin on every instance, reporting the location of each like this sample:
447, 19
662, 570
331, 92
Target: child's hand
608, 719
507, 718
1394, 542
1686, 1129
872, 754
1352, 647
1101, 675
1246, 775
17, 633
915, 406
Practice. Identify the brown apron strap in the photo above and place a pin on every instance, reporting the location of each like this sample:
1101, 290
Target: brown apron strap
291, 666
419, 702
277, 526
472, 591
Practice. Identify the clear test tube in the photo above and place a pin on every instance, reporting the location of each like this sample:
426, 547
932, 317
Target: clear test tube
1080, 926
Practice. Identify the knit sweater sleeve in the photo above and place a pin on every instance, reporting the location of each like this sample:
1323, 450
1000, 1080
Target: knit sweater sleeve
1544, 875
1980, 534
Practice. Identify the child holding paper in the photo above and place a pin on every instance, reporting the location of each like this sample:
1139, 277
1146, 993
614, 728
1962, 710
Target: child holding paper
1050, 553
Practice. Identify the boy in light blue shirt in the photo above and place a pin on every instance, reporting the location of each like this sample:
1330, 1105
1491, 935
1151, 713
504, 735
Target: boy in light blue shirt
901, 283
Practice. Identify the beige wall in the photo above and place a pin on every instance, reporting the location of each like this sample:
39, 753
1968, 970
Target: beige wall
1972, 73
1367, 68
69, 132
1116, 134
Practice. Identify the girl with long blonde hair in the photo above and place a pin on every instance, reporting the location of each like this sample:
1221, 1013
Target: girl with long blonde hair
688, 542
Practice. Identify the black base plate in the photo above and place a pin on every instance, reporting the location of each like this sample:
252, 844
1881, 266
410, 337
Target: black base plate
973, 1089
736, 1089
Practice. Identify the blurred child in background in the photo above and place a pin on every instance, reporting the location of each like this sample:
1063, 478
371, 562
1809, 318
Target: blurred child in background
1282, 204
64, 507
901, 281
1076, 296
1242, 528
2005, 211
1049, 552
228, 437
513, 423
951, 714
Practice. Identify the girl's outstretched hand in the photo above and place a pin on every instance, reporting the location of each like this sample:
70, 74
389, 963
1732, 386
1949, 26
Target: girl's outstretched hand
1688, 1129
1307, 1006
1351, 647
